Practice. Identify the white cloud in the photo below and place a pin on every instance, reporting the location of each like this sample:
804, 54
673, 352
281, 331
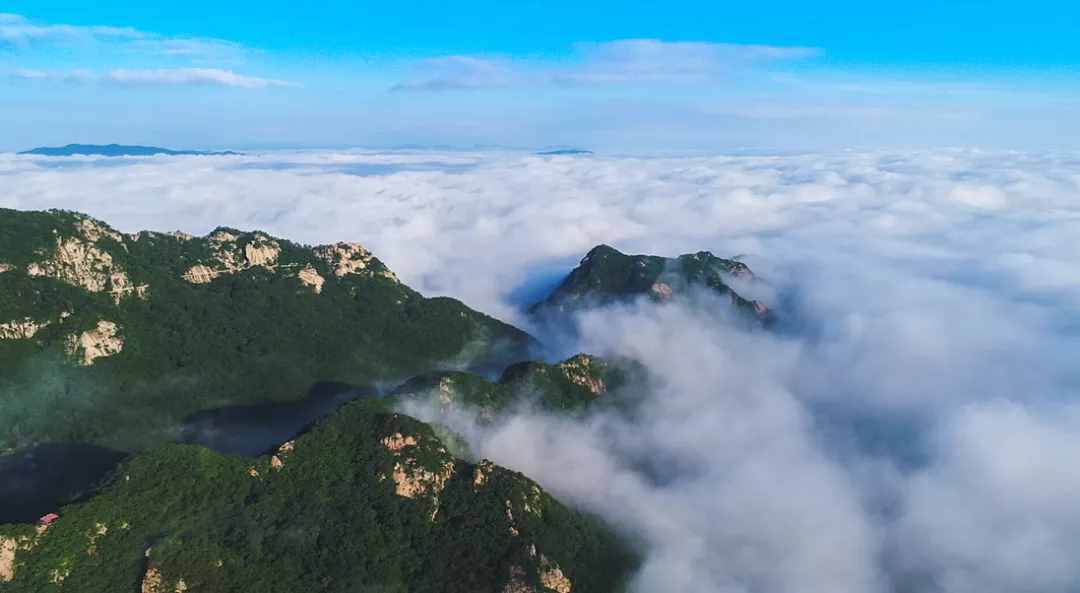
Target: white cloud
910, 428
188, 76
627, 61
156, 77
19, 31
27, 36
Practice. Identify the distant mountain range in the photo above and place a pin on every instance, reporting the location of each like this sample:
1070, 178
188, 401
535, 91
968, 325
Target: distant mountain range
564, 152
117, 150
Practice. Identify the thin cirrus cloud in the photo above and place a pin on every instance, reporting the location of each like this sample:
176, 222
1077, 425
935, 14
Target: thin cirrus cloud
156, 77
24, 35
20, 32
627, 61
176, 61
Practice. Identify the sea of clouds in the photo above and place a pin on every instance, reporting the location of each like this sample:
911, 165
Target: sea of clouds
914, 426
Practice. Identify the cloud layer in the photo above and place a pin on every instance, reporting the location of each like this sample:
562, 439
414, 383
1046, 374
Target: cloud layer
910, 429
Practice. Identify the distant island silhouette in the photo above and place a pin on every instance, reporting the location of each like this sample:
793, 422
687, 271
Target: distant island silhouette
117, 150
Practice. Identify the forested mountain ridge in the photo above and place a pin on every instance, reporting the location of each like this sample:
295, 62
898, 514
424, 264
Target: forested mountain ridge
367, 500
607, 276
115, 338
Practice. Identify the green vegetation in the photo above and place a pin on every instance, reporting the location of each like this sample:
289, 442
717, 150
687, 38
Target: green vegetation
369, 500
606, 276
256, 319
569, 387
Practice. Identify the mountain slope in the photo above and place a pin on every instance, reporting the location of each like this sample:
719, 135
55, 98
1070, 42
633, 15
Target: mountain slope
606, 276
114, 339
368, 500
569, 387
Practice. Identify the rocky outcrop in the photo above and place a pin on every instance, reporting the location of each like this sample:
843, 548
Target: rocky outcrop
263, 254
200, 274
351, 258
310, 277
346, 258
481, 473
661, 291
552, 577
83, 264
6, 268
228, 257
102, 341
8, 547
585, 371
413, 479
94, 230
278, 459
396, 442
21, 330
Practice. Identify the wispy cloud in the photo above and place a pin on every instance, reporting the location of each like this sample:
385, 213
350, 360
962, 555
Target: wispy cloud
22, 34
193, 76
155, 77
628, 61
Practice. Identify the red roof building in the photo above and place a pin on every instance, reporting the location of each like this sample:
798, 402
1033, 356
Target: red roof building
48, 519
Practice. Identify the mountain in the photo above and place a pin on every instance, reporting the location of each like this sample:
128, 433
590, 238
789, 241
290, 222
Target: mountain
369, 500
606, 276
565, 152
571, 386
117, 339
117, 150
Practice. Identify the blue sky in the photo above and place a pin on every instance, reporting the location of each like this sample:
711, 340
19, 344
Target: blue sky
629, 76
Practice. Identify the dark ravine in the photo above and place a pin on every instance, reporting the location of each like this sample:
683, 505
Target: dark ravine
38, 480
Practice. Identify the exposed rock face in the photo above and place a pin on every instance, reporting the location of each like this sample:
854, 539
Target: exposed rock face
396, 442
100, 342
228, 258
152, 581
347, 258
265, 254
661, 291
350, 258
8, 546
552, 577
411, 478
584, 370
200, 274
481, 473
84, 265
311, 278
94, 230
277, 461
20, 330
6, 268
